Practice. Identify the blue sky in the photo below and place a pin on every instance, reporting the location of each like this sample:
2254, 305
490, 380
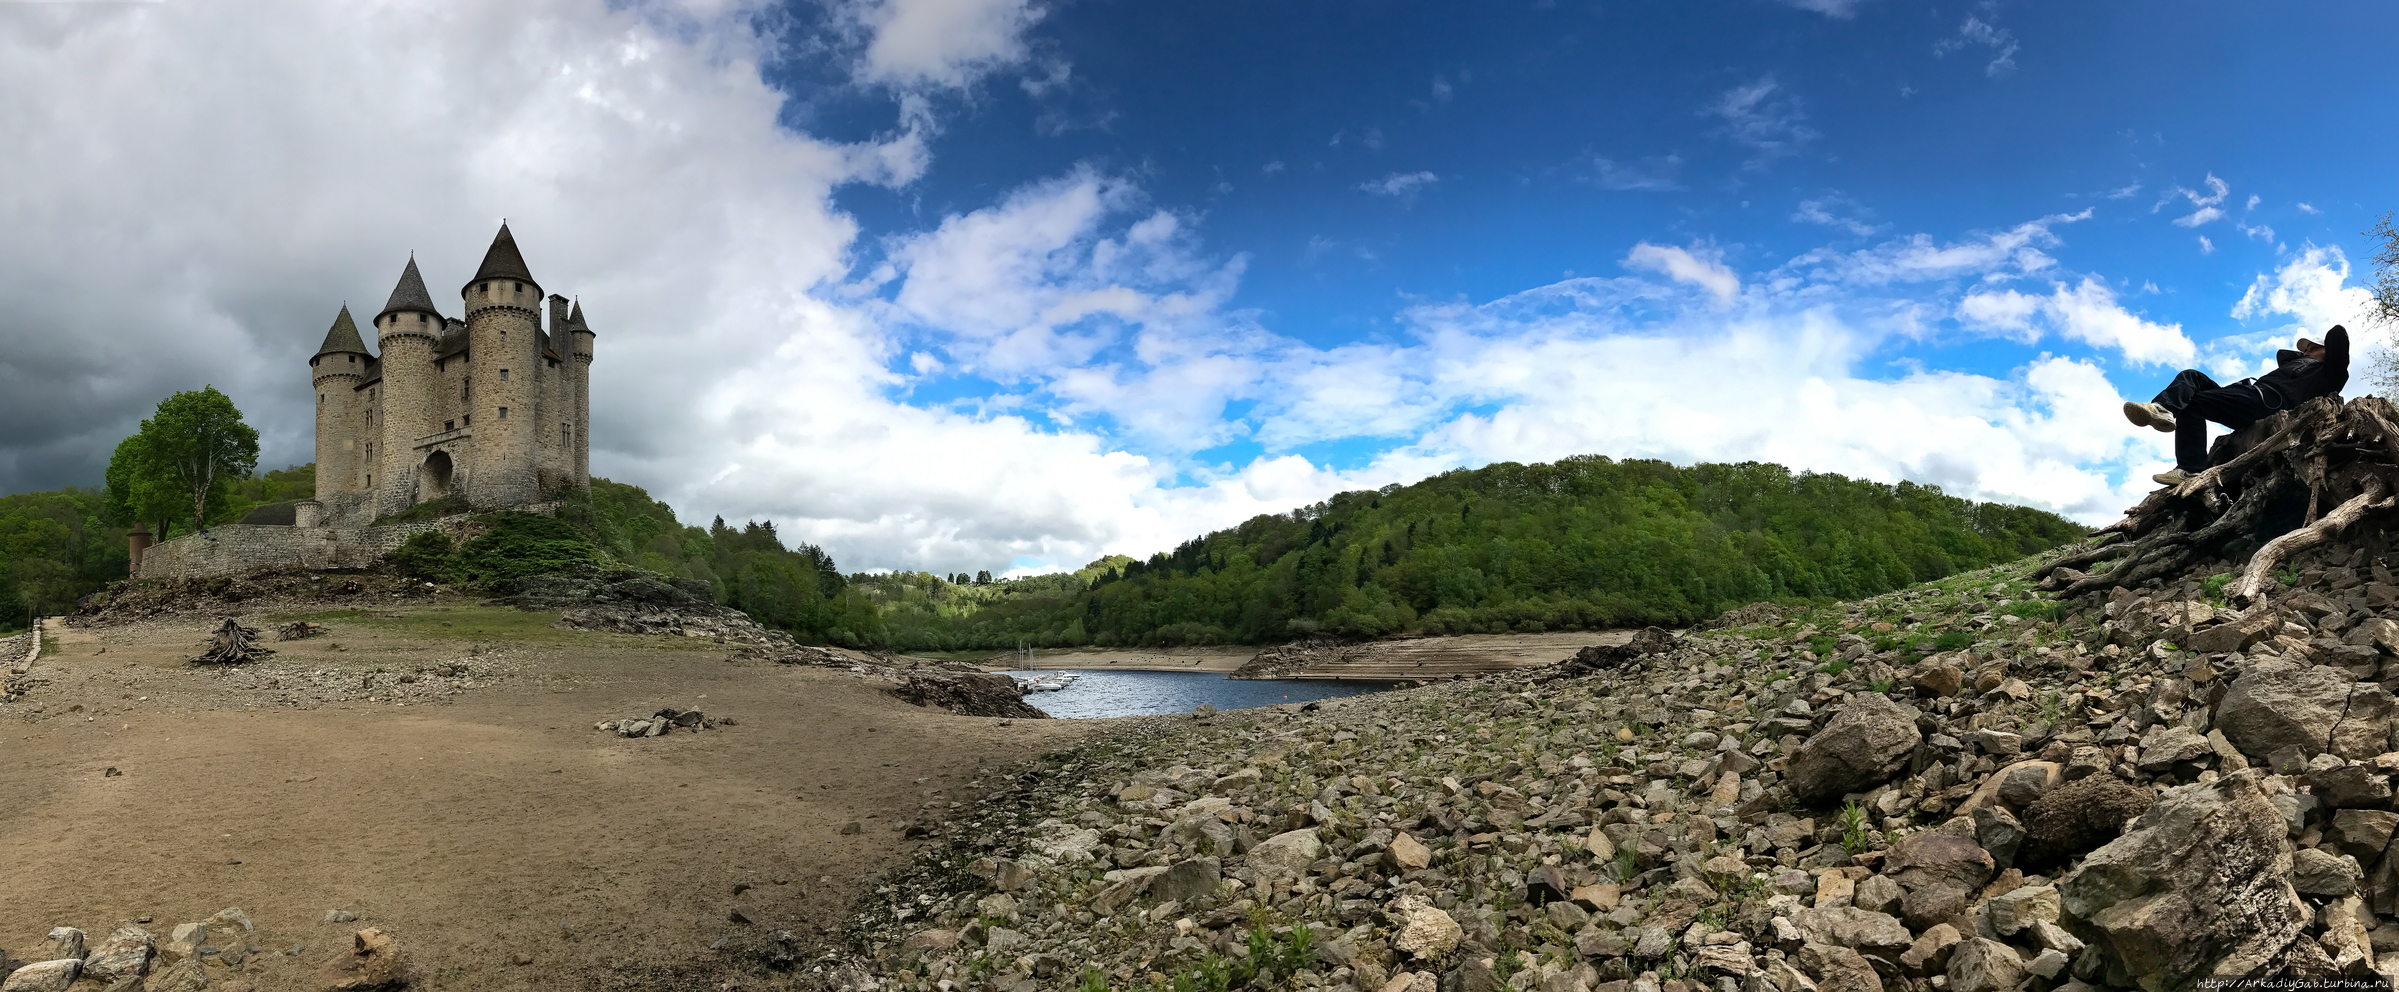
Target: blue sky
961, 284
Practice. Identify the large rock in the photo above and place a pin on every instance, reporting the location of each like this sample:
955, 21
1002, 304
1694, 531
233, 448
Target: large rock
1939, 872
1848, 926
44, 976
1865, 744
1980, 964
2077, 817
1839, 969
186, 975
2316, 708
125, 954
1425, 932
2198, 887
1287, 854
2237, 635
376, 963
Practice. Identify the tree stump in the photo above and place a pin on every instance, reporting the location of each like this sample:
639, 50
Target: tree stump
233, 644
2284, 484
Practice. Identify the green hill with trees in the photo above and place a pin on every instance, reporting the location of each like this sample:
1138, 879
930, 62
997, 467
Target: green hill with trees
1584, 543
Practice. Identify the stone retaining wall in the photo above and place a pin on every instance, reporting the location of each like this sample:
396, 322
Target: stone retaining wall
228, 549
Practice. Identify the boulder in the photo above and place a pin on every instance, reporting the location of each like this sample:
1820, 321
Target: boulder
2235, 636
375, 963
1848, 926
1866, 743
1839, 969
1879, 894
2322, 873
44, 976
2362, 833
2014, 910
1409, 853
2163, 748
1287, 854
1425, 932
2350, 786
125, 954
2077, 817
1125, 885
2316, 708
2198, 886
1189, 879
60, 942
1998, 832
1938, 873
1980, 964
183, 976
1931, 949
184, 941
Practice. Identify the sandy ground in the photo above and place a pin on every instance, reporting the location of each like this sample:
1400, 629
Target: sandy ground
476, 816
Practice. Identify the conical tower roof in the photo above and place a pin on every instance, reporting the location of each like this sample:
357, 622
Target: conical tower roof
410, 294
574, 321
503, 261
343, 336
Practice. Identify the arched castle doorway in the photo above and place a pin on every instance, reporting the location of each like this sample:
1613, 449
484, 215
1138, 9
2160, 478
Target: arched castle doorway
433, 478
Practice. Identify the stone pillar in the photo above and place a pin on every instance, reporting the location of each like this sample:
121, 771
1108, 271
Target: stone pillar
136, 541
308, 513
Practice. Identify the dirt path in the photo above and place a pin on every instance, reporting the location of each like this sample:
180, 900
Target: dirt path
476, 816
1210, 659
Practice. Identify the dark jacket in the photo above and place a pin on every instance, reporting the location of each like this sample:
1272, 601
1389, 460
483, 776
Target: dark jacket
2300, 378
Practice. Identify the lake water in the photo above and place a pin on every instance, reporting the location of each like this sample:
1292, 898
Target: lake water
1113, 693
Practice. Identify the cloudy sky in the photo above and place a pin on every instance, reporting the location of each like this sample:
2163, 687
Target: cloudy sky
966, 284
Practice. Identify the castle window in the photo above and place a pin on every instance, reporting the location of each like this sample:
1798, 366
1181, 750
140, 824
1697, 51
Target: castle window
466, 389
320, 399
503, 375
483, 287
503, 413
449, 425
353, 359
520, 287
420, 318
370, 478
566, 434
467, 421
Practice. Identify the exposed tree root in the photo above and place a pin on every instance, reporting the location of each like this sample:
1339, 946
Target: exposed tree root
2346, 455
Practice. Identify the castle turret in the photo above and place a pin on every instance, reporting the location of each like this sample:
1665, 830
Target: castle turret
503, 323
579, 340
336, 372
400, 408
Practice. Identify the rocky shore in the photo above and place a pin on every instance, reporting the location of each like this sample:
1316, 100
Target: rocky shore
1961, 786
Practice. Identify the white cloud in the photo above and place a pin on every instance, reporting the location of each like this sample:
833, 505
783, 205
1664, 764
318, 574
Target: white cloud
2312, 288
1836, 9
1976, 31
2124, 192
2207, 211
2015, 251
1836, 211
1681, 265
2206, 247
1754, 116
2308, 208
1654, 174
940, 43
2086, 312
1400, 184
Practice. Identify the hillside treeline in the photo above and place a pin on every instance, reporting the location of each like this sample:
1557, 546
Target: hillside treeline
1585, 543
59, 546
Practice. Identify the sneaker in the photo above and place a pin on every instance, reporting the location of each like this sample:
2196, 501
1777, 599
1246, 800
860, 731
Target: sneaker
2150, 415
2170, 477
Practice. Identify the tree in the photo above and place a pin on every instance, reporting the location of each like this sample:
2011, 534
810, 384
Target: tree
138, 492
186, 456
2382, 363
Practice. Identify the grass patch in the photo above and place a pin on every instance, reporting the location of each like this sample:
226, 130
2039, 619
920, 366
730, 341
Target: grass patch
429, 510
1956, 640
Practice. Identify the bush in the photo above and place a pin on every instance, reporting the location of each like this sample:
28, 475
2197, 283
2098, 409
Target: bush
426, 555
524, 544
1956, 640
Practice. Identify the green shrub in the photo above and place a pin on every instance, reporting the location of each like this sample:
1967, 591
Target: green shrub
1956, 640
426, 555
523, 544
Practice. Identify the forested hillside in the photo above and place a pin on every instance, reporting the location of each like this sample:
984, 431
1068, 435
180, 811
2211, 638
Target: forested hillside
1584, 543
59, 546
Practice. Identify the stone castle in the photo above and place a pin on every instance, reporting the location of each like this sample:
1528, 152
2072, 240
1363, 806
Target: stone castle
491, 407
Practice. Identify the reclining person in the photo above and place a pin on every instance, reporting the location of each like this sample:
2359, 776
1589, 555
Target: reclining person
2192, 399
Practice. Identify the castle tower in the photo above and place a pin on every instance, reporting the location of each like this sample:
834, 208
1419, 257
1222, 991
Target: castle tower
503, 325
338, 369
401, 406
579, 367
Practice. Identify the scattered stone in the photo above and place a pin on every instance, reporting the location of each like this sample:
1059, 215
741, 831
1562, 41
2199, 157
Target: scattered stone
376, 962
44, 976
1425, 932
125, 954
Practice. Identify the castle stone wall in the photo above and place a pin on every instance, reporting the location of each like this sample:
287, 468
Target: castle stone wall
229, 549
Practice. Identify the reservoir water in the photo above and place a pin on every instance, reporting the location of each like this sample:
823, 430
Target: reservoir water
1116, 693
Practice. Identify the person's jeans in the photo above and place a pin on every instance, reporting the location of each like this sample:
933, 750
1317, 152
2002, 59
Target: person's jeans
2195, 400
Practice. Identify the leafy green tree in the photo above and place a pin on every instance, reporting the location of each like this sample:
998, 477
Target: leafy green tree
139, 491
194, 447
